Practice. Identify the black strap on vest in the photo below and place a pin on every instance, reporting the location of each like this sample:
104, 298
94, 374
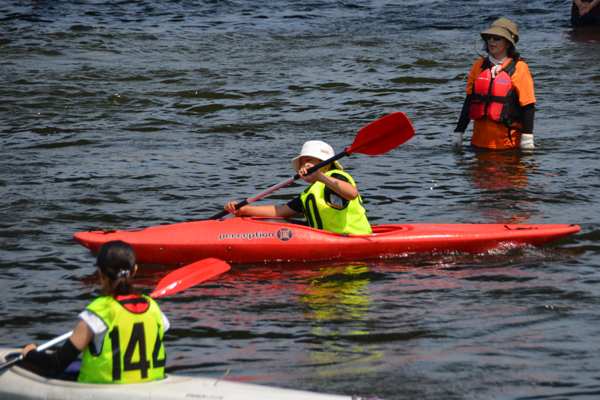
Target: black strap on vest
311, 205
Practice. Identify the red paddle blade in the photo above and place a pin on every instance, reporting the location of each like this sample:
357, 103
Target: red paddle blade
382, 135
190, 275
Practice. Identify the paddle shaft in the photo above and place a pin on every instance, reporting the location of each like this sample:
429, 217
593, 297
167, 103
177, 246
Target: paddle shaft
54, 341
283, 183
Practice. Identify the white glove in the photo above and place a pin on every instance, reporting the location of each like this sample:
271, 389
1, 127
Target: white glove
527, 141
457, 140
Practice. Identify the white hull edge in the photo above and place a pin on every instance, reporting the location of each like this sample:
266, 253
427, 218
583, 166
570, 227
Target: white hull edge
17, 383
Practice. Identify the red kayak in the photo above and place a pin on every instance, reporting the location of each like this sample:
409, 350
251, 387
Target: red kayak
247, 240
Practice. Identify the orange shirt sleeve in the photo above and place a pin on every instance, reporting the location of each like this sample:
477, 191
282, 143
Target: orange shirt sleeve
523, 84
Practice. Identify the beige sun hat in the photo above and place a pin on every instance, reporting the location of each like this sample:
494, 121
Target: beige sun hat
316, 149
505, 28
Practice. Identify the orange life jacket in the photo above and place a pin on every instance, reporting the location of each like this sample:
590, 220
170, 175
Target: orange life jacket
495, 98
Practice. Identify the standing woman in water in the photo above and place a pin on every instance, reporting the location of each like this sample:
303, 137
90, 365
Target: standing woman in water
500, 97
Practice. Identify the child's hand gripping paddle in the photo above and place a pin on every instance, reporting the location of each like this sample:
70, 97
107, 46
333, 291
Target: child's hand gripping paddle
378, 137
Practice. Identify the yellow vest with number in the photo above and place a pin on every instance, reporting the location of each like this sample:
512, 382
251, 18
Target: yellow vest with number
132, 350
321, 213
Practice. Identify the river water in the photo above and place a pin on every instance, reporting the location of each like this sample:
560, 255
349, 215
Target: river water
138, 113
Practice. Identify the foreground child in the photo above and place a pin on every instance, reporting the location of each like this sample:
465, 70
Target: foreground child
120, 333
331, 203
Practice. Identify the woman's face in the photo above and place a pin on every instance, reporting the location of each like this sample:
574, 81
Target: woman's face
497, 46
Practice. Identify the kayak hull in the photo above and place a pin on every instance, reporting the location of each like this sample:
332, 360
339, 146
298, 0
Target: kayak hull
17, 383
243, 240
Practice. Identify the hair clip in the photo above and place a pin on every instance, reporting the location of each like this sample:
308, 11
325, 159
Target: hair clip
122, 273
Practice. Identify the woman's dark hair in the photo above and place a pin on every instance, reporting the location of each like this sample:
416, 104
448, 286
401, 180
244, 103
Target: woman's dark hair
511, 52
116, 260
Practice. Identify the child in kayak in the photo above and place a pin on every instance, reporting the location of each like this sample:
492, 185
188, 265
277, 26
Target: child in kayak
331, 203
120, 333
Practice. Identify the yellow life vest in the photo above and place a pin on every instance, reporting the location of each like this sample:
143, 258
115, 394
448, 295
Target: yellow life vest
322, 211
132, 350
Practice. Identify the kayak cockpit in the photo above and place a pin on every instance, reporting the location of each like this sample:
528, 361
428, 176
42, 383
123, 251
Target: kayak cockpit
377, 229
276, 220
383, 229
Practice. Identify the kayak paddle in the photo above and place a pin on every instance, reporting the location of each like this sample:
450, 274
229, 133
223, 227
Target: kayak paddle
188, 276
378, 137
172, 283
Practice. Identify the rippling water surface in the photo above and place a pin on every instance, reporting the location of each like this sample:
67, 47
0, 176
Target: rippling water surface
138, 113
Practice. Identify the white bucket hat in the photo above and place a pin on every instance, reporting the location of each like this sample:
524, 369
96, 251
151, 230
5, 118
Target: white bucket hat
316, 149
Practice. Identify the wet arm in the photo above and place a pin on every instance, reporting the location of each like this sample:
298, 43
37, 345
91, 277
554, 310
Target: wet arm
344, 189
282, 211
591, 5
341, 187
463, 121
527, 115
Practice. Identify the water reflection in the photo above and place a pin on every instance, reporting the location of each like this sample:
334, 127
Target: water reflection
585, 34
337, 302
501, 178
